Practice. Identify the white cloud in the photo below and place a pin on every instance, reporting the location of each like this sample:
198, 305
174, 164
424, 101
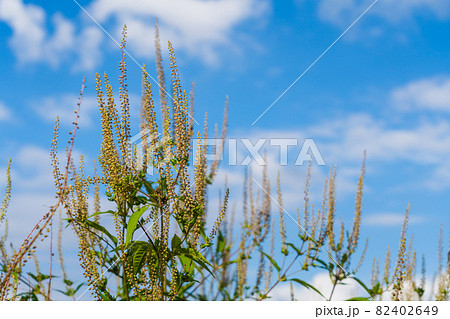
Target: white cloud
395, 10
342, 141
5, 112
197, 26
321, 282
431, 94
292, 177
27, 22
409, 293
64, 106
343, 12
90, 54
440, 178
31, 169
424, 144
389, 219
25, 210
348, 137
32, 42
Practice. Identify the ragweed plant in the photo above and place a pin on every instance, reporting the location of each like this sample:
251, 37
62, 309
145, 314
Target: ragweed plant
11, 274
7, 197
443, 276
342, 249
157, 243
404, 283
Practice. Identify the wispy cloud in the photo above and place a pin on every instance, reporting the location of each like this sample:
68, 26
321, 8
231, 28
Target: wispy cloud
423, 145
342, 142
200, 28
5, 112
389, 219
31, 169
339, 12
63, 106
346, 138
89, 54
391, 18
196, 26
431, 94
32, 42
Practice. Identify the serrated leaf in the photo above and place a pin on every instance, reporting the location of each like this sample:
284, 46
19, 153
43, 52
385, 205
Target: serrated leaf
196, 257
139, 250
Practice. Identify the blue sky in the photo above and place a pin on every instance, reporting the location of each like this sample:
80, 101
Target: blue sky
384, 87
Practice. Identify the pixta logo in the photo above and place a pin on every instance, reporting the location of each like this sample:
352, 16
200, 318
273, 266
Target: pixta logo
243, 151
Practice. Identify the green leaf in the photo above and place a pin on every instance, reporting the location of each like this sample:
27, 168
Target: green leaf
39, 277
205, 245
420, 291
364, 286
306, 285
359, 299
148, 186
176, 242
100, 213
220, 243
294, 248
185, 261
273, 262
68, 282
344, 259
106, 296
139, 251
185, 287
324, 264
101, 229
78, 287
133, 221
33, 276
197, 257
376, 289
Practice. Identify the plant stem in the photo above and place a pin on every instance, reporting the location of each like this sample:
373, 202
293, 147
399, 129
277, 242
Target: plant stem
280, 279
